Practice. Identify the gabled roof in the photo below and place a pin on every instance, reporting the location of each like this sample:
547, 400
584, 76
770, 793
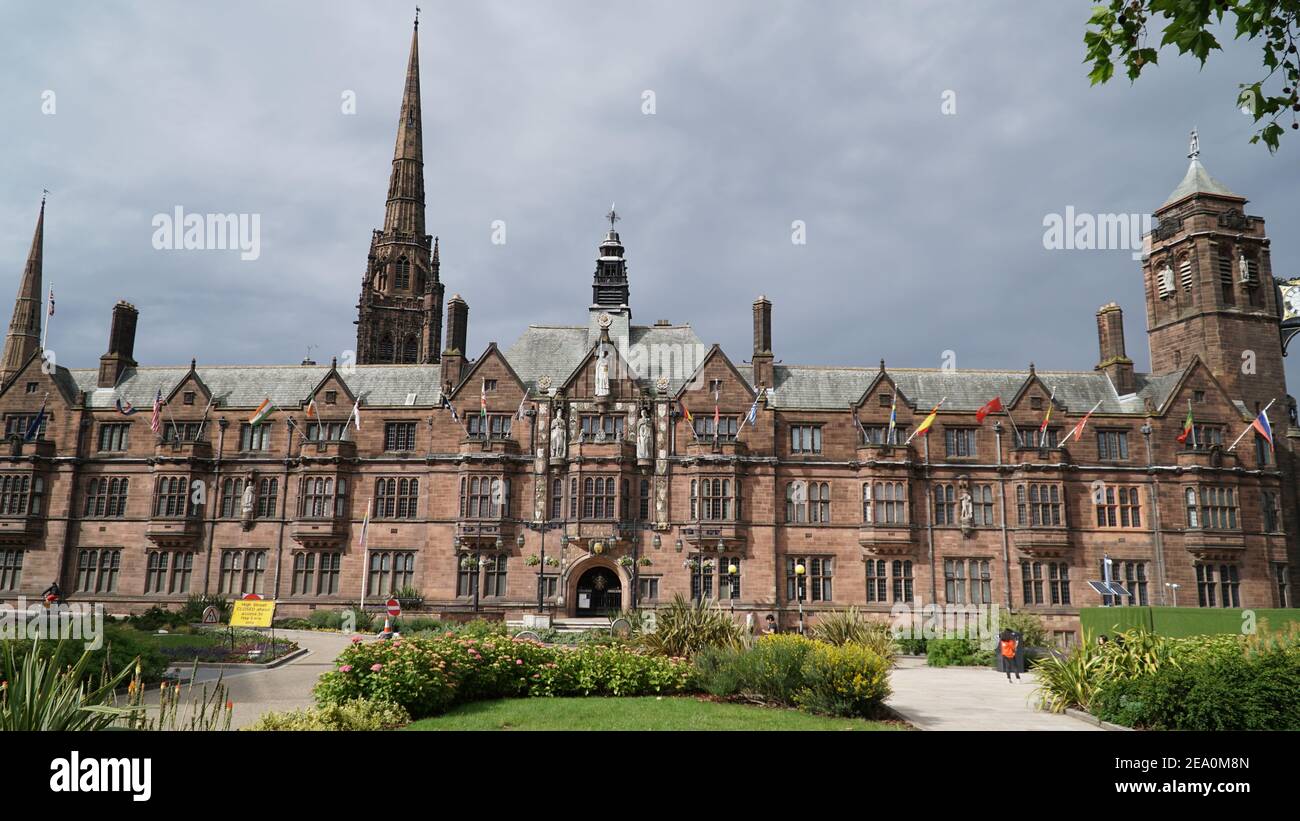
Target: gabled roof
245, 386
556, 351
1198, 181
834, 388
717, 352
492, 352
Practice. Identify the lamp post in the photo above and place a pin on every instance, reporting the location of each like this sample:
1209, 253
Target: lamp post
732, 571
541, 527
1174, 587
799, 571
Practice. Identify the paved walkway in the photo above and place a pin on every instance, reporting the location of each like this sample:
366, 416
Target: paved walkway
969, 698
287, 687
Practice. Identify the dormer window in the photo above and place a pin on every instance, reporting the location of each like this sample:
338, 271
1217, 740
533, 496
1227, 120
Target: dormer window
331, 397
1036, 403
886, 400
188, 398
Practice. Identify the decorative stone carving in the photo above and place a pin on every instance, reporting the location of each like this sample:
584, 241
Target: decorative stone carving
559, 440
602, 372
644, 443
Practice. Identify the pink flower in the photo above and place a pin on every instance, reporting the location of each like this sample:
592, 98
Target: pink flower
356, 639
347, 668
375, 668
519, 661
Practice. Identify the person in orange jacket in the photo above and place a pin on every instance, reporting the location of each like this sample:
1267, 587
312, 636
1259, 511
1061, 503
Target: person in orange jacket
1011, 654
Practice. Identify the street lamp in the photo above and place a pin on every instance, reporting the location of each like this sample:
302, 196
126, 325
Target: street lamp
1174, 587
732, 570
799, 571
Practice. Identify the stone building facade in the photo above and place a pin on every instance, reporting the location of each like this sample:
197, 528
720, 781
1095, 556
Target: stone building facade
605, 465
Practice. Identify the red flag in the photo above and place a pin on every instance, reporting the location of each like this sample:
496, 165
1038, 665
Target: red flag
994, 405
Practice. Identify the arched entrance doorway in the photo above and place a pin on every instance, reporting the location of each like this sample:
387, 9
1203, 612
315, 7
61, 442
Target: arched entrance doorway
599, 593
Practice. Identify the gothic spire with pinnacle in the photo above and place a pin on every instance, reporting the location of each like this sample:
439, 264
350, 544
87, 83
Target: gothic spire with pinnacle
405, 212
24, 337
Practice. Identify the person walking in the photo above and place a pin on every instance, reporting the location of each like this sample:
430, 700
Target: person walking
1011, 654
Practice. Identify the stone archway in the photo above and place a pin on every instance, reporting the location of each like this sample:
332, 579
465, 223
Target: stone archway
594, 586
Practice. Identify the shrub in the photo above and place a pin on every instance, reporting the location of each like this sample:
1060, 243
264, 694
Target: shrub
845, 680
912, 647
157, 618
425, 676
39, 692
717, 670
772, 670
481, 628
1240, 691
684, 628
360, 714
192, 610
845, 626
964, 652
1029, 626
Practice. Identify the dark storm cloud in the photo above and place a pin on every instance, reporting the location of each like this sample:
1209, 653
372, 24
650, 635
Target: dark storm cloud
925, 231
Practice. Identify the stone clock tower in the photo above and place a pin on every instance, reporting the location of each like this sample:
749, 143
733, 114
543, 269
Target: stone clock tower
1210, 290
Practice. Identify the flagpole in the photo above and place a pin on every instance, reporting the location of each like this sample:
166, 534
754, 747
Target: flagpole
1252, 422
1085, 419
927, 416
45, 331
1189, 413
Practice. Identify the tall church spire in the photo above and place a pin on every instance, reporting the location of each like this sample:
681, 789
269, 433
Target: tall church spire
405, 211
24, 336
399, 316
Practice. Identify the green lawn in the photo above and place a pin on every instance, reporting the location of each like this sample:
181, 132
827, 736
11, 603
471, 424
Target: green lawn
645, 713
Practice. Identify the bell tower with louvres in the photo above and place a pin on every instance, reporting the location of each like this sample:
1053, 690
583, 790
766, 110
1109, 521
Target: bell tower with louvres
399, 315
1210, 290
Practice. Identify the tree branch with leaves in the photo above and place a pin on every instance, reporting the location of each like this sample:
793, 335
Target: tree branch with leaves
1119, 32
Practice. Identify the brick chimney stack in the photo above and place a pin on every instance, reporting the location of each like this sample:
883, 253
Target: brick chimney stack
121, 345
1110, 340
762, 357
453, 354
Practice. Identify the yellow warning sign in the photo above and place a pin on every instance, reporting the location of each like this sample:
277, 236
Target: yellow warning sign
252, 613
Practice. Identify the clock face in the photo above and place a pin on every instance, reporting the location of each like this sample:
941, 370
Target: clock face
1291, 300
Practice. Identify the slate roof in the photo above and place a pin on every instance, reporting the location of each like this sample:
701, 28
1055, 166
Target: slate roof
555, 351
245, 386
835, 388
1198, 181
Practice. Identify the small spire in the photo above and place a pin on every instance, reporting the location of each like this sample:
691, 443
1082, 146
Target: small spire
24, 334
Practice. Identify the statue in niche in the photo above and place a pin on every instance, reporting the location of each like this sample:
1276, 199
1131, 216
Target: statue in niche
246, 504
602, 372
559, 438
643, 442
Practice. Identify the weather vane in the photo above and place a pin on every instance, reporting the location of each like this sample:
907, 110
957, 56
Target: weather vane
45, 192
612, 216
1195, 146
417, 16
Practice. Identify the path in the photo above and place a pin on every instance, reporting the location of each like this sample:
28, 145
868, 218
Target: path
287, 687
969, 698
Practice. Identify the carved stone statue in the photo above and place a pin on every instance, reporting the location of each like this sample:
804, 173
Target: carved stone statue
246, 504
602, 373
559, 439
967, 515
1166, 279
643, 444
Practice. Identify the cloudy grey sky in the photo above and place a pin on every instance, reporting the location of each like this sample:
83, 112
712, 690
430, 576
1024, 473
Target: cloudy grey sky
924, 231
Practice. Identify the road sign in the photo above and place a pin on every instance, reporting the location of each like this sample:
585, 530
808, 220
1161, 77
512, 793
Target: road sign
211, 615
252, 597
252, 613
394, 607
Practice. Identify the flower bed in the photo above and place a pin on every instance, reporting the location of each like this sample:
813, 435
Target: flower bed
426, 675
